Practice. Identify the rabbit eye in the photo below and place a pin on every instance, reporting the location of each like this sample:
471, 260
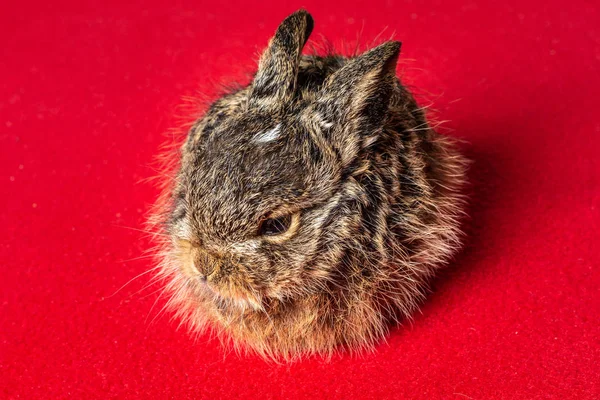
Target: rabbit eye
275, 226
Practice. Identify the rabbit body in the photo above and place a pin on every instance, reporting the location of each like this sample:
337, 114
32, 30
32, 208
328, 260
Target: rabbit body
311, 207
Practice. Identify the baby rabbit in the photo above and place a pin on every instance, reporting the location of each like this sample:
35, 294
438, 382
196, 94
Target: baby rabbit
311, 207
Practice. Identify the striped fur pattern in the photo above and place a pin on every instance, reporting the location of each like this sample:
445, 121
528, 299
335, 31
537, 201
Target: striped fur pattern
373, 195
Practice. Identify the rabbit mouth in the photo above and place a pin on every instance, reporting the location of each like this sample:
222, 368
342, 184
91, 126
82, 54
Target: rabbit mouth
229, 296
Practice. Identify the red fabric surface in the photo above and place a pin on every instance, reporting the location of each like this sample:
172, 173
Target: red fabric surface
87, 92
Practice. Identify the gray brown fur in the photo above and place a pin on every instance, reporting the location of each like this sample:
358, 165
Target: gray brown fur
376, 194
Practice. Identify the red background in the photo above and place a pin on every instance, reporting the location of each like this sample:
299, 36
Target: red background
87, 92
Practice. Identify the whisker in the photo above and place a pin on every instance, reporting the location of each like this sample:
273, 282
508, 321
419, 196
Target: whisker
131, 280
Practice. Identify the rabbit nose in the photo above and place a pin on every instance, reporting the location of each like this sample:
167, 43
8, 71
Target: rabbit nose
204, 273
205, 264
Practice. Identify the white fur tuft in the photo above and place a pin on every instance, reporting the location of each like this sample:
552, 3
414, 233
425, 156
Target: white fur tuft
269, 135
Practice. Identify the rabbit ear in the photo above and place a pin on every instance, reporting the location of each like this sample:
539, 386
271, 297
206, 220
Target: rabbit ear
275, 79
356, 97
364, 85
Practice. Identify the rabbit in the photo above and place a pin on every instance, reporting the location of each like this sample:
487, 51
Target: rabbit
310, 208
